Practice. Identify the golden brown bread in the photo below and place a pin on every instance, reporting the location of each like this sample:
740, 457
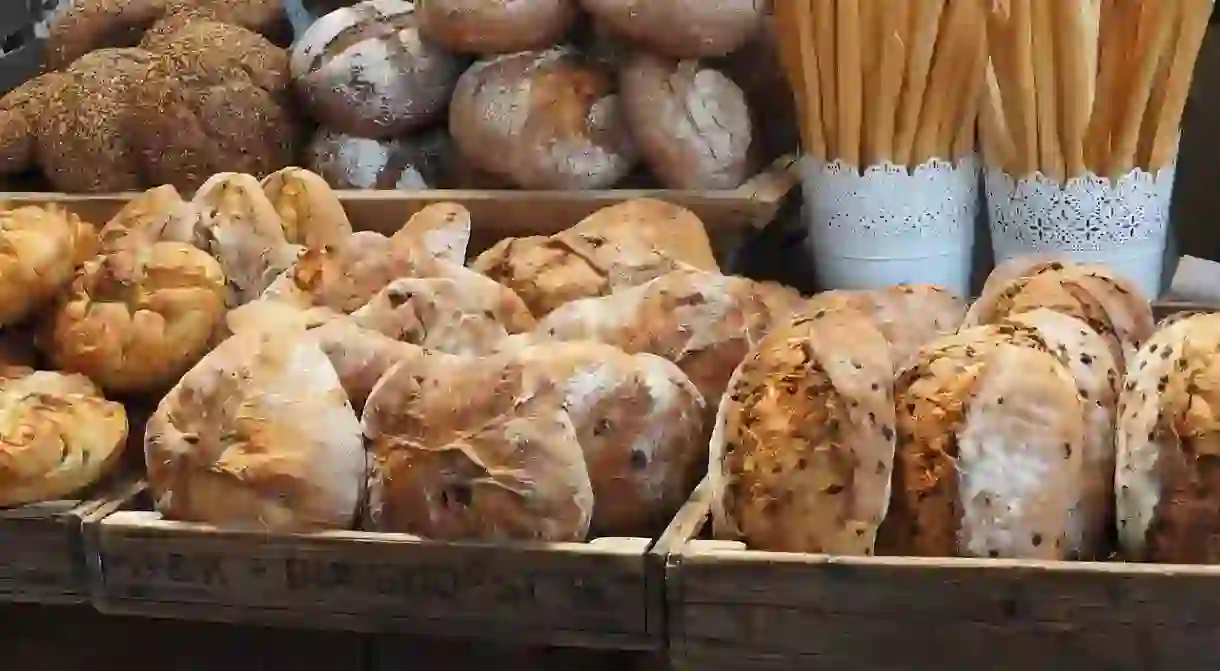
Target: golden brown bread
682, 28
88, 25
258, 435
58, 435
989, 456
40, 249
158, 214
474, 449
20, 112
310, 213
162, 33
803, 446
139, 317
483, 27
361, 356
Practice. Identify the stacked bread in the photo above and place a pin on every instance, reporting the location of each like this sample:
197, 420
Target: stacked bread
535, 94
889, 422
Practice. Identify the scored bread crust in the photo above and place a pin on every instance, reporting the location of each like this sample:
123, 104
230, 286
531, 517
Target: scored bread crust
803, 445
137, 318
58, 435
474, 449
258, 435
310, 213
988, 461
40, 249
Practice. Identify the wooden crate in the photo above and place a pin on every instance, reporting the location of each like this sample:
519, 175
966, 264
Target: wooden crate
42, 558
603, 594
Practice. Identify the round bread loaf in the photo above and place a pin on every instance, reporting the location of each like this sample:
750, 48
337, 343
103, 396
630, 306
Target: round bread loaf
136, 319
543, 120
682, 28
82, 145
310, 213
757, 70
40, 249
989, 459
495, 26
364, 70
258, 435
59, 435
212, 103
475, 449
413, 163
691, 123
20, 112
803, 446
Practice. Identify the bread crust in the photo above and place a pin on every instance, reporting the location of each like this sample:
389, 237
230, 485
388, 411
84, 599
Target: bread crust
682, 28
495, 26
40, 249
310, 213
90, 25
420, 161
20, 112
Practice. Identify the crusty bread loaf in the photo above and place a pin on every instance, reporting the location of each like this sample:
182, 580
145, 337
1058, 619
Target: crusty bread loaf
682, 28
1113, 306
88, 25
262, 16
757, 70
640, 423
139, 317
989, 452
803, 446
411, 163
474, 449
40, 248
361, 356
908, 315
481, 27
691, 123
58, 435
20, 111
158, 214
1167, 499
310, 213
82, 136
705, 322
258, 435
240, 228
439, 231
364, 70
543, 120
162, 33
212, 101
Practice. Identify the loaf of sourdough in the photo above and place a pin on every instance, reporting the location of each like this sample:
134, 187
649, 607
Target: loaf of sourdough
408, 163
40, 249
58, 435
365, 70
310, 213
989, 454
542, 120
480, 27
681, 28
474, 449
803, 446
258, 435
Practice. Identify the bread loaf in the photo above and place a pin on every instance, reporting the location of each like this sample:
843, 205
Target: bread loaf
90, 25
40, 248
213, 101
475, 449
58, 436
757, 70
682, 28
1114, 307
365, 70
20, 111
361, 356
137, 318
158, 214
162, 33
691, 123
262, 16
989, 451
310, 213
481, 27
258, 435
543, 120
410, 163
83, 143
1167, 509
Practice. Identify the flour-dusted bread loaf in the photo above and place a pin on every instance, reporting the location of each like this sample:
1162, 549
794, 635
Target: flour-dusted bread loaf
40, 249
462, 313
240, 227
258, 435
640, 423
60, 435
481, 27
475, 449
803, 446
365, 70
310, 213
20, 112
411, 163
137, 318
158, 214
691, 123
682, 28
989, 458
1168, 502
705, 322
361, 356
1113, 306
543, 120
1087, 357
909, 315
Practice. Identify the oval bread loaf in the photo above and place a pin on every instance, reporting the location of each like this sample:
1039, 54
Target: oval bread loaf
495, 26
682, 28
40, 250
365, 70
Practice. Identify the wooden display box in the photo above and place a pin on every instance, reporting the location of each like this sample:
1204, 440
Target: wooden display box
42, 557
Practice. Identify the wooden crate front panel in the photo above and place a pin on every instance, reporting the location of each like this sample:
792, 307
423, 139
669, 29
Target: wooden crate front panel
41, 558
376, 582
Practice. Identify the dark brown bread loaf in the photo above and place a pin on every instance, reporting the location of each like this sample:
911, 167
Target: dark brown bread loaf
682, 28
364, 70
353, 162
20, 111
97, 24
495, 26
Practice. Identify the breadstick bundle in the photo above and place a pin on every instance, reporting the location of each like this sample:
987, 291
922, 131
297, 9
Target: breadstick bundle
887, 93
1080, 125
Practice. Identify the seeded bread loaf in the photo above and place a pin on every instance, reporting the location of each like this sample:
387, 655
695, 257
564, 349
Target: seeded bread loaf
803, 446
20, 112
40, 249
89, 25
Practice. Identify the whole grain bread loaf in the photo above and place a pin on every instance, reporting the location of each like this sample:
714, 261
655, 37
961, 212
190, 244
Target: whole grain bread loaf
20, 112
682, 28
